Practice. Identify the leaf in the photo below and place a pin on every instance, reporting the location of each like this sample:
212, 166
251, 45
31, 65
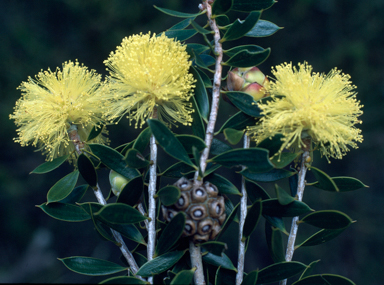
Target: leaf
199, 28
196, 157
124, 280
63, 187
309, 269
178, 170
343, 184
283, 197
324, 279
131, 192
327, 219
50, 165
244, 102
135, 159
189, 141
218, 147
65, 212
270, 176
239, 121
276, 222
160, 263
181, 25
171, 234
273, 145
279, 271
178, 14
96, 130
215, 247
233, 136
251, 5
225, 277
251, 278
293, 182
87, 170
119, 213
321, 237
201, 95
285, 158
113, 160
197, 48
204, 61
252, 219
223, 185
142, 140
272, 207
250, 48
246, 58
168, 195
169, 142
180, 35
198, 128
218, 260
323, 179
220, 7
255, 159
255, 191
75, 195
91, 266
184, 277
228, 221
239, 28
222, 20
263, 29
274, 243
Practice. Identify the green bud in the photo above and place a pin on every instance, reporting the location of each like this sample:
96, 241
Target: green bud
117, 182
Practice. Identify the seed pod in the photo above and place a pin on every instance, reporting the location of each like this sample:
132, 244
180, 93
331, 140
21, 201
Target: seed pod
216, 207
199, 195
211, 189
190, 228
184, 184
183, 202
205, 226
198, 212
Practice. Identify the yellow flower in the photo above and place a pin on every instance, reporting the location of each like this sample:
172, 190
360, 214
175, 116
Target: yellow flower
54, 102
307, 104
147, 73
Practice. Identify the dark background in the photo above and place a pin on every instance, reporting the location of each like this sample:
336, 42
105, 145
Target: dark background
35, 35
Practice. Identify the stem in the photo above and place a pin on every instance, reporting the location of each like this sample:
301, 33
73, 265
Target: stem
300, 192
196, 261
243, 215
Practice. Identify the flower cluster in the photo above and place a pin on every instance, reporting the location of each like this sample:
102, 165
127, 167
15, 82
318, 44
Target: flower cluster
310, 105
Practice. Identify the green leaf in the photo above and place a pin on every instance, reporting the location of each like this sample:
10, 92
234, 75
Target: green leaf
184, 277
246, 58
63, 187
252, 219
251, 5
142, 140
233, 136
181, 25
244, 102
223, 185
255, 191
285, 158
171, 234
323, 179
228, 221
160, 264
327, 219
224, 276
87, 170
189, 141
101, 229
204, 61
250, 48
215, 247
309, 269
131, 192
222, 20
220, 7
324, 279
169, 142
196, 48
343, 184
96, 130
275, 243
124, 280
277, 222
75, 195
168, 195
251, 278
201, 95
273, 145
135, 159
263, 29
255, 159
239, 28
218, 260
196, 157
218, 147
180, 35
239, 121
50, 165
283, 197
198, 128
279, 271
65, 212
119, 213
178, 170
199, 28
321, 237
272, 207
178, 14
91, 266
293, 182
113, 160
270, 176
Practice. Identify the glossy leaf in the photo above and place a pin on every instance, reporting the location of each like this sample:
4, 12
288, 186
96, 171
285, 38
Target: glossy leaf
181, 25
221, 7
178, 170
171, 234
309, 269
252, 219
113, 160
281, 161
63, 187
160, 263
197, 48
206, 79
222, 20
184, 277
239, 28
223, 184
293, 182
239, 121
135, 159
327, 219
274, 243
250, 48
255, 191
103, 231
189, 141
142, 140
196, 157
246, 58
279, 271
131, 192
214, 247
87, 170
96, 130
201, 95
65, 212
323, 179
272, 207
168, 195
233, 136
177, 13
91, 266
75, 195
276, 222
343, 184
255, 159
224, 276
219, 260
321, 237
124, 280
270, 176
218, 147
180, 35
168, 141
198, 128
244, 102
324, 279
251, 278
204, 61
199, 28
231, 217
263, 29
251, 5
283, 197
50, 165
119, 213
273, 145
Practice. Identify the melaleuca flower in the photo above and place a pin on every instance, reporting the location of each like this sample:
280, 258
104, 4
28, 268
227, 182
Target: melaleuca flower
150, 73
310, 105
57, 102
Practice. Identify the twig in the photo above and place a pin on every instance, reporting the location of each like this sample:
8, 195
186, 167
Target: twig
243, 215
196, 261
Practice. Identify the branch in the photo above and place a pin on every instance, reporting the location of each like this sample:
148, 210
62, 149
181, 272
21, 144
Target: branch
196, 261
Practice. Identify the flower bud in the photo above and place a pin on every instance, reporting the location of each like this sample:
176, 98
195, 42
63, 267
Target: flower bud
234, 81
255, 90
117, 182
